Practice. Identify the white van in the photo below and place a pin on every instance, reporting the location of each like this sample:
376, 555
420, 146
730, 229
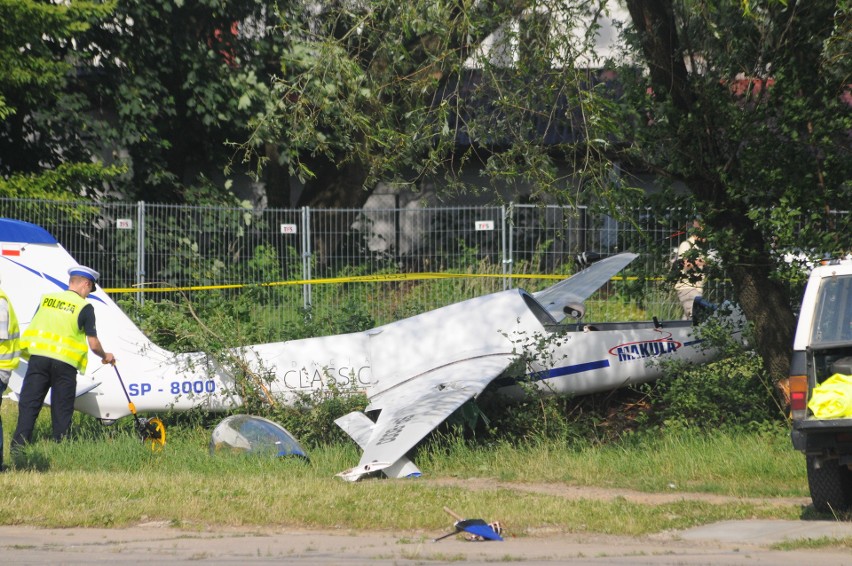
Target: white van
823, 347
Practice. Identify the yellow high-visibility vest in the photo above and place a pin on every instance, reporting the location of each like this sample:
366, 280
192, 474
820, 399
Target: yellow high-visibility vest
10, 349
832, 399
54, 331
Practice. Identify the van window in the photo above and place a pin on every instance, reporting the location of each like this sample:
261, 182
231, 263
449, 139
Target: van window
833, 317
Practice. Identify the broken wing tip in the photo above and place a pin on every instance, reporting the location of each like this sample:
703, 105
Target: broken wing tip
356, 473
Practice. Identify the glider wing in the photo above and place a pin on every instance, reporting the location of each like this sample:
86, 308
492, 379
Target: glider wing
414, 408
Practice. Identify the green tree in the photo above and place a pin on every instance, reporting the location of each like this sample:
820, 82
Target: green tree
41, 153
173, 83
370, 91
745, 104
749, 105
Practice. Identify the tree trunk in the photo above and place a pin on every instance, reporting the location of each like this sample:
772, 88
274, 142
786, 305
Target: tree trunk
655, 22
765, 302
766, 305
748, 262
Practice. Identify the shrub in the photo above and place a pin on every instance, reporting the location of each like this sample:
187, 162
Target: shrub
734, 392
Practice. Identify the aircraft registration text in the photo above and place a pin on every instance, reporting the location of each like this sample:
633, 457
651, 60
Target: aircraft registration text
198, 387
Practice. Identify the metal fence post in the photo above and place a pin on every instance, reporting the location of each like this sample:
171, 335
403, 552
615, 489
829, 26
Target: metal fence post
306, 256
505, 241
397, 228
140, 251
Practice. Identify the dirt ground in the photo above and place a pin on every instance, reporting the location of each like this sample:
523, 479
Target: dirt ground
729, 543
606, 494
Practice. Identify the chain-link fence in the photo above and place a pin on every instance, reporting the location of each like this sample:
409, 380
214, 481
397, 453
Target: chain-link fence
385, 262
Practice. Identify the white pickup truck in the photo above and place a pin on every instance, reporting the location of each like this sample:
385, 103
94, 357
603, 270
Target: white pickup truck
823, 347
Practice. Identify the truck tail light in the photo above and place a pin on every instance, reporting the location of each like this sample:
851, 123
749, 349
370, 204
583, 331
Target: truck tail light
799, 396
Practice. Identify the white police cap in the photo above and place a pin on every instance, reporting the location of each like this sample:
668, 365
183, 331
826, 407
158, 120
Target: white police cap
86, 272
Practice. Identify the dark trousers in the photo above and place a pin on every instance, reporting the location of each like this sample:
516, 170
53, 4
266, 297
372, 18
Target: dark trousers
43, 374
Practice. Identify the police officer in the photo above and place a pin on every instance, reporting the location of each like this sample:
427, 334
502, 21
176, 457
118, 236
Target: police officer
57, 342
9, 351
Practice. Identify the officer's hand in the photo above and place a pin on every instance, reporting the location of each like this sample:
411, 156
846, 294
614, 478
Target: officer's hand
108, 359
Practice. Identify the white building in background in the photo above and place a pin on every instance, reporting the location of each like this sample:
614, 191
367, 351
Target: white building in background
505, 46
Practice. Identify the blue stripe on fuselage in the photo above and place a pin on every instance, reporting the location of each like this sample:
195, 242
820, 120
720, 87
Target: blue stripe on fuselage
570, 370
54, 280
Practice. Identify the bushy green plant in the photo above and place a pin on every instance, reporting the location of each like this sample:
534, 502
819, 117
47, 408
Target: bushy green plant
734, 392
311, 417
534, 420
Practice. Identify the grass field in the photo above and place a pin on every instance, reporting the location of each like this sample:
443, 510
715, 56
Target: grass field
106, 477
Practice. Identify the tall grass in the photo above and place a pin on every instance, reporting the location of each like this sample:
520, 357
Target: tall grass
732, 463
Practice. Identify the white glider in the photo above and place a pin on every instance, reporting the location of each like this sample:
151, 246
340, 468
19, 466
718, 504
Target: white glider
414, 372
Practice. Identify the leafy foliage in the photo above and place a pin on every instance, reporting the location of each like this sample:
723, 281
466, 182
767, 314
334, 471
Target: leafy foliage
55, 184
404, 92
173, 82
34, 33
776, 117
733, 394
40, 121
311, 418
755, 121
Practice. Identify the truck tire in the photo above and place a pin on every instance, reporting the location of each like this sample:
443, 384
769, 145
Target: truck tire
830, 486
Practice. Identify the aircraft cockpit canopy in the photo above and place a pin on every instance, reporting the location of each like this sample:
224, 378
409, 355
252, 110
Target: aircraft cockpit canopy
255, 436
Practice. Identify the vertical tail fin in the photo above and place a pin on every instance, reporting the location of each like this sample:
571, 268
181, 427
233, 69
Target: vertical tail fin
32, 263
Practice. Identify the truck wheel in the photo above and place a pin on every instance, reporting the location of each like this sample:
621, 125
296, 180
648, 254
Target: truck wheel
830, 486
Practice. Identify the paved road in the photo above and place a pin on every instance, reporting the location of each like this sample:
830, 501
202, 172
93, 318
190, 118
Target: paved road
731, 543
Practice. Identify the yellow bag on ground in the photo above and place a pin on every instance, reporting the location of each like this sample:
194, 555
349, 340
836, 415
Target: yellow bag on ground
832, 399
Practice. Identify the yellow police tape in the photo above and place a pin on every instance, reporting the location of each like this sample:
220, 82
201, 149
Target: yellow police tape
353, 279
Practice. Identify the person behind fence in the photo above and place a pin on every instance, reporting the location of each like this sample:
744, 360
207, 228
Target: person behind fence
9, 352
56, 343
689, 266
